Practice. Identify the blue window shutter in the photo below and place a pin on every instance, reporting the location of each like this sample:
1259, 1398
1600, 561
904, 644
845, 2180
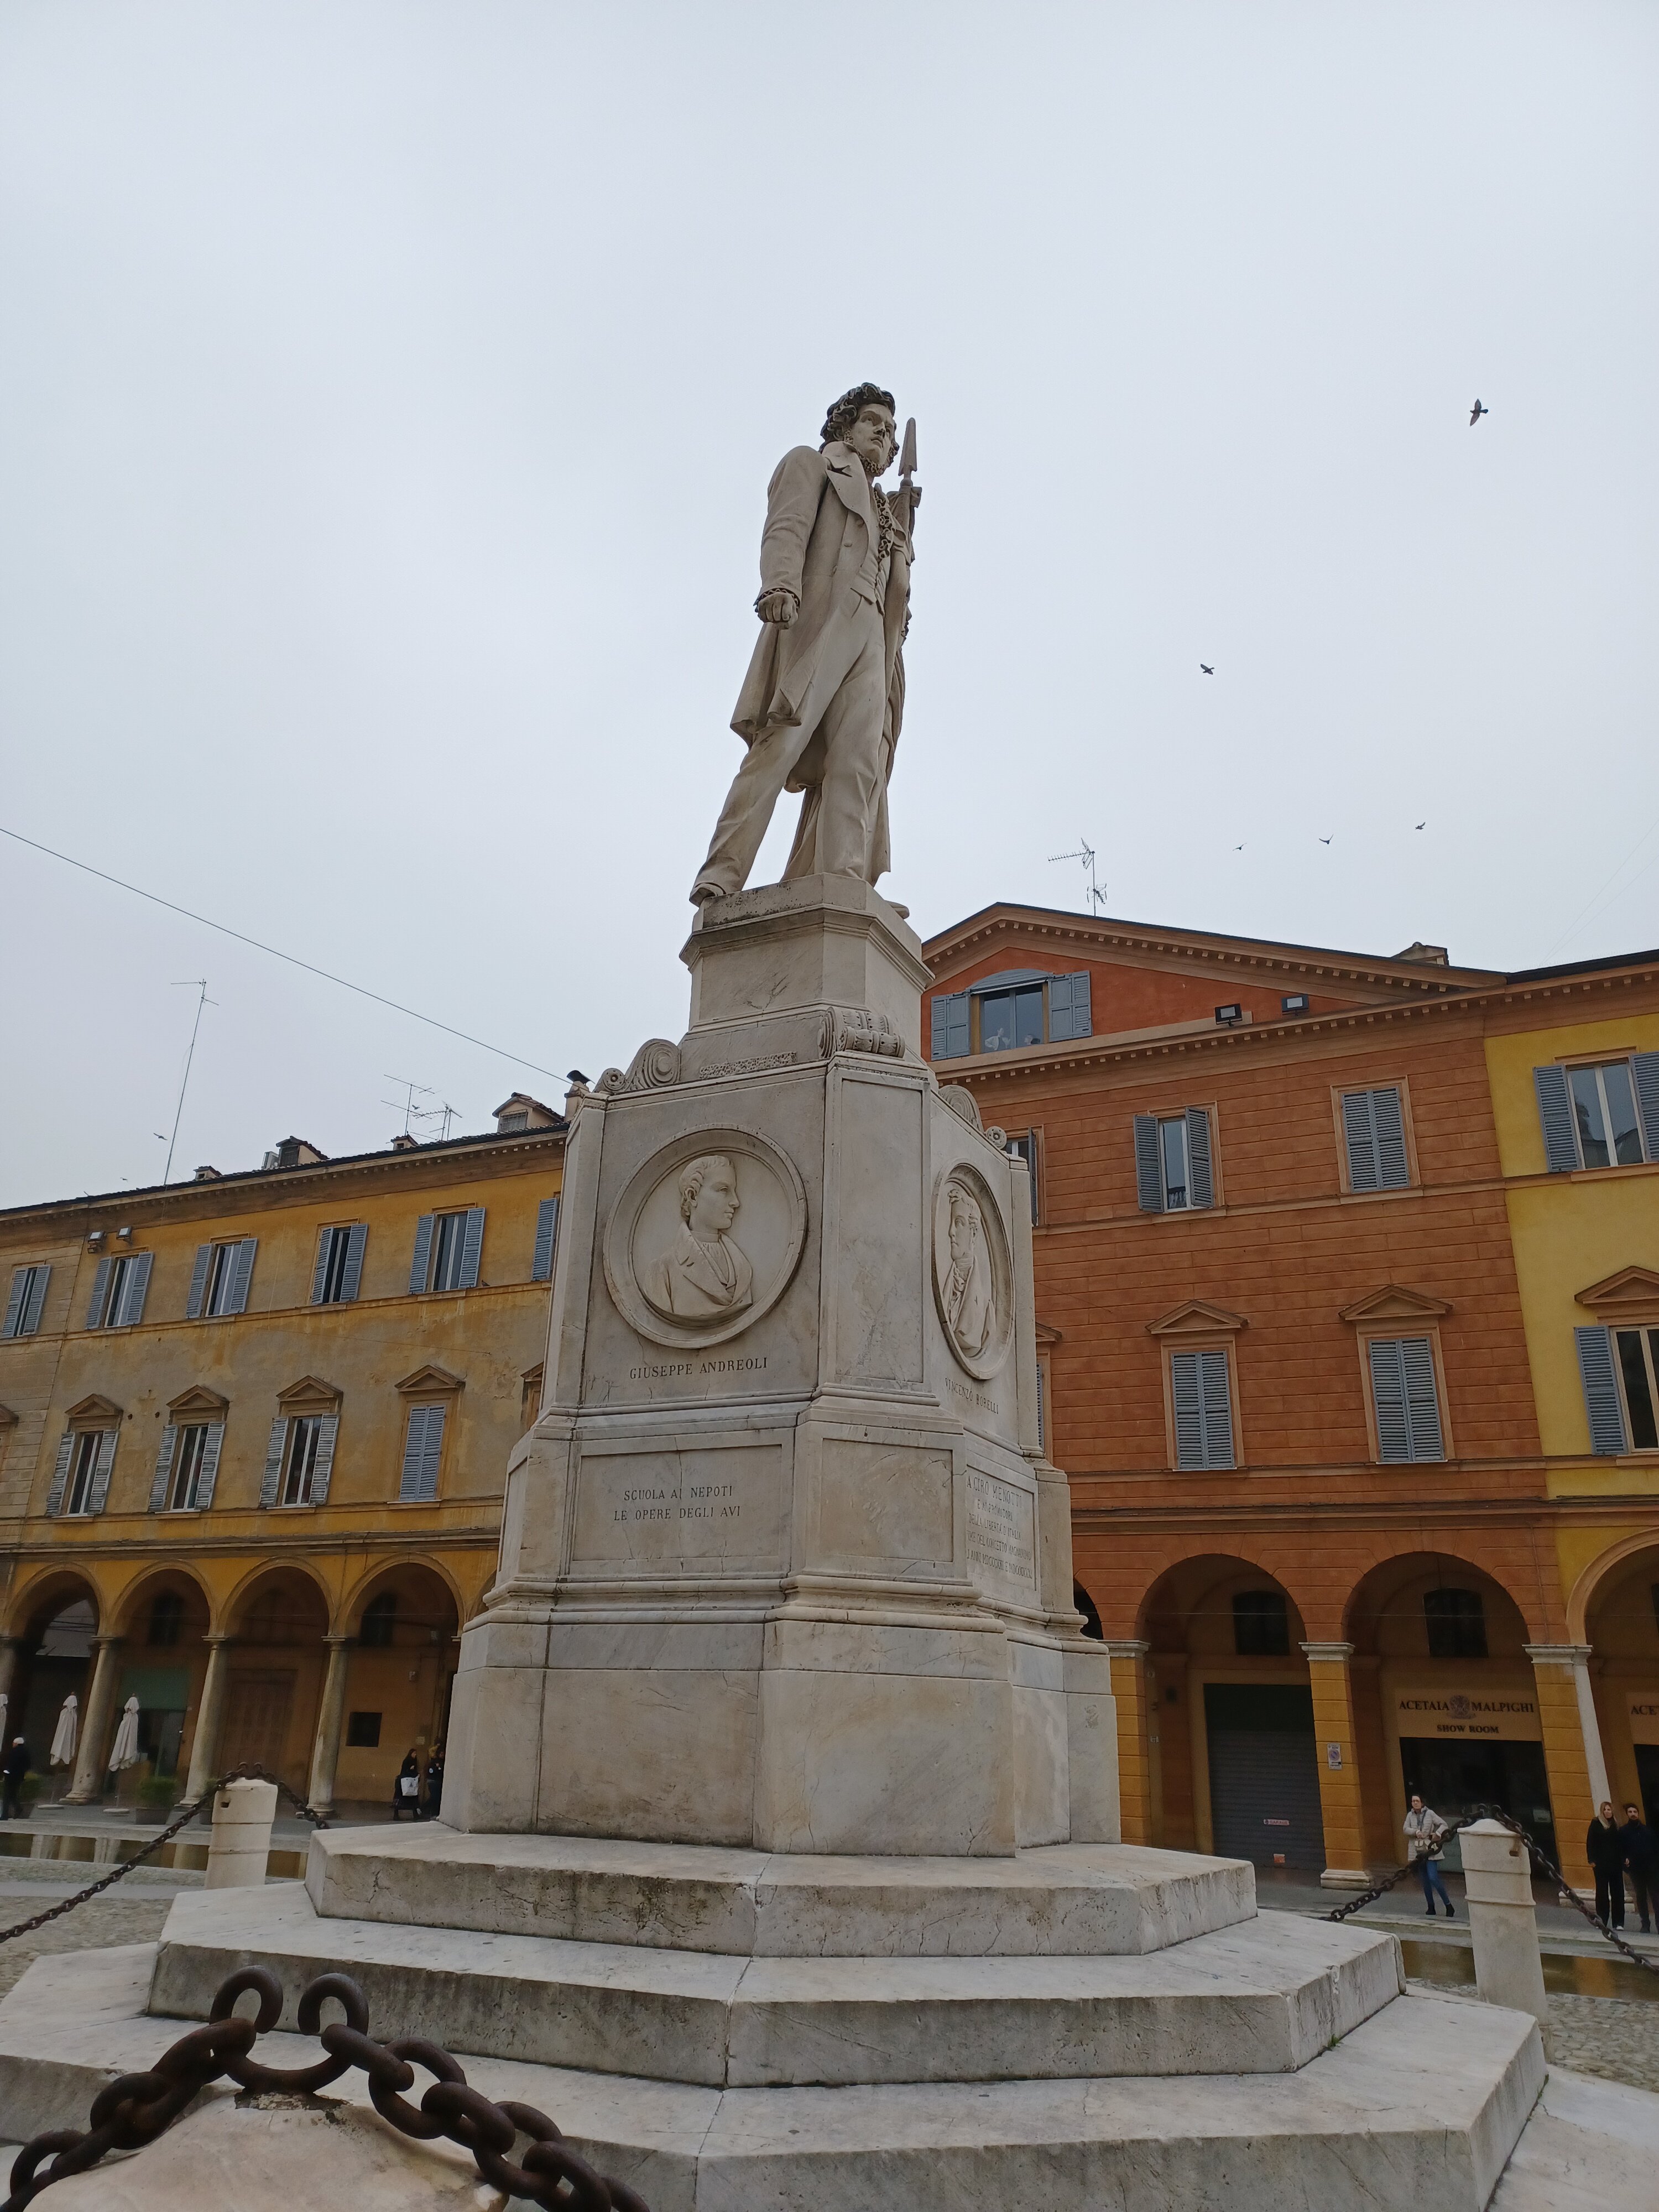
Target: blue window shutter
241, 1273
436, 1417
1060, 1009
100, 1293
273, 1473
134, 1287
158, 1488
1394, 1443
207, 1474
351, 1278
1149, 1168
1555, 1112
1216, 1405
21, 1279
422, 1450
319, 1272
60, 1475
421, 1266
1601, 1400
472, 1249
1361, 1141
414, 1448
323, 1467
37, 1301
1186, 1390
1082, 1022
198, 1275
547, 1221
1422, 1398
950, 1025
97, 1489
1200, 1183
1644, 1068
1389, 1132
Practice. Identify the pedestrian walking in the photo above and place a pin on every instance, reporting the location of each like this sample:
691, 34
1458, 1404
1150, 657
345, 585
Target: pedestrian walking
1604, 1847
1641, 1857
13, 1768
406, 1789
433, 1804
1423, 1829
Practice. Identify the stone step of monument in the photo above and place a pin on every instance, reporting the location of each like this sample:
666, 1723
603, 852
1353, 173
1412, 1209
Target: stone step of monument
1087, 1899
1263, 1997
1421, 2104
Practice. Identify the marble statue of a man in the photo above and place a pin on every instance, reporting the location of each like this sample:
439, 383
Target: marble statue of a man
821, 706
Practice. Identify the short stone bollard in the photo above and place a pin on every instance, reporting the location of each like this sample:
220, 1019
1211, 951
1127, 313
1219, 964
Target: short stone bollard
1497, 1883
243, 1814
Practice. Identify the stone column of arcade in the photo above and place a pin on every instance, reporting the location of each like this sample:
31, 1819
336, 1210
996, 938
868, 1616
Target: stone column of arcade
210, 1718
1341, 1805
1127, 1658
11, 1648
330, 1720
94, 1735
1573, 1759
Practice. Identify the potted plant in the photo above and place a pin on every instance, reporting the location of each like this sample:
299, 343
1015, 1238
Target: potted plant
157, 1795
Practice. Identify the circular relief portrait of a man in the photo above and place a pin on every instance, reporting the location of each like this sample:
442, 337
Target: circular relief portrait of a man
705, 1237
973, 1278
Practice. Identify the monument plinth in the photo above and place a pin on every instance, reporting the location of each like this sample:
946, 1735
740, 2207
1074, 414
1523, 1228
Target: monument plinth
782, 1563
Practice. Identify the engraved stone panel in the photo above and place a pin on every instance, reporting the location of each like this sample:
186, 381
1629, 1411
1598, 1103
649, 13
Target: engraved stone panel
653, 1507
879, 1501
973, 1272
1001, 1540
705, 1237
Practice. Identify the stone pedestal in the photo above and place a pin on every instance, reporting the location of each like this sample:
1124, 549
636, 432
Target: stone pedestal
782, 1564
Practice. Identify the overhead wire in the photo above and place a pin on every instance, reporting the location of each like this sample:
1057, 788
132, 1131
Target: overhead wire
276, 953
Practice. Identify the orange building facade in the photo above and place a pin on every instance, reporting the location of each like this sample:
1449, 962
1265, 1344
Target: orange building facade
1287, 1369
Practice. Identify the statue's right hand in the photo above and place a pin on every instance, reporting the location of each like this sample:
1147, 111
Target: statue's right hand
781, 607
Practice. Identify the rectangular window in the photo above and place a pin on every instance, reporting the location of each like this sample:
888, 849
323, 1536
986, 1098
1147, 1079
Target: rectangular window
1604, 1116
1174, 1169
1016, 1010
339, 1264
1203, 1410
1374, 1130
363, 1731
187, 1468
1024, 1147
447, 1247
422, 1452
1639, 1372
1172, 1156
219, 1281
1261, 1624
305, 1470
118, 1289
1009, 1020
89, 1471
1405, 1397
1456, 1622
27, 1300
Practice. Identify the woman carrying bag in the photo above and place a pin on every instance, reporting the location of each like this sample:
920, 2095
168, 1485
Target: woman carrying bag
1423, 1829
406, 1789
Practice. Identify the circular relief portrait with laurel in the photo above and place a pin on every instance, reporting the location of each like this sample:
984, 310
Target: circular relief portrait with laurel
973, 1272
705, 1237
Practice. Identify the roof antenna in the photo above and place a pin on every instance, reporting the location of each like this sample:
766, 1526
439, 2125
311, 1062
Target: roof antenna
1085, 853
196, 983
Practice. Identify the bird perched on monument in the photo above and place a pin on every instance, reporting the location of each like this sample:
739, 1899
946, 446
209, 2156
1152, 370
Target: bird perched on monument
1476, 412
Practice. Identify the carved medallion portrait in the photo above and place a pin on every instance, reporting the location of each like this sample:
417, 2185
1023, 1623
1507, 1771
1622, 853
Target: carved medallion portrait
705, 1237
973, 1275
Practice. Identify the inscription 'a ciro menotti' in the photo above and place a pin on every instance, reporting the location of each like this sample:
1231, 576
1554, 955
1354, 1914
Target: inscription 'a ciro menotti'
705, 1237
973, 1274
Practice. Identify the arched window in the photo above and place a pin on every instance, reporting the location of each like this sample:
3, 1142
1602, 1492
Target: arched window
1456, 1624
1261, 1624
167, 1617
380, 1619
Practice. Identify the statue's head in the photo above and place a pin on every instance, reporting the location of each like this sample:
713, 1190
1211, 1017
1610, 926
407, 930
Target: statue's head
863, 419
966, 1226
708, 1195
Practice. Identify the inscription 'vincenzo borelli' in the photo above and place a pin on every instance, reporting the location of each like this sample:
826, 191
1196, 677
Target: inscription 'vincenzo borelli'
683, 1370
982, 1399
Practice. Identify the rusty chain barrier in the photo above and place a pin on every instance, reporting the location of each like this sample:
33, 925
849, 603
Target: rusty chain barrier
1541, 1858
180, 1820
131, 2113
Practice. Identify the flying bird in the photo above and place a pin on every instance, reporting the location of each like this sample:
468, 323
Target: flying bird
1422, 825
1207, 671
1324, 840
1476, 412
1238, 848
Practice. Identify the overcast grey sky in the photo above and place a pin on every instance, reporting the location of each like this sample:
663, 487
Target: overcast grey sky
387, 397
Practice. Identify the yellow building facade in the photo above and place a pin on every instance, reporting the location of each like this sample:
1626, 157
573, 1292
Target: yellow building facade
254, 1434
1574, 1082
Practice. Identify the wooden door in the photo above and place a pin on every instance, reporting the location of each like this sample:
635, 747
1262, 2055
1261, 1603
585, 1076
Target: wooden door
258, 1711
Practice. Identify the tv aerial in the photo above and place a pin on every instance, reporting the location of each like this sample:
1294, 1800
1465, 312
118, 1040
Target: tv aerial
1085, 853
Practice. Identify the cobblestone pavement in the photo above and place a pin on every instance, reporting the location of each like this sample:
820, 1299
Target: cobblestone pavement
1605, 2036
136, 1918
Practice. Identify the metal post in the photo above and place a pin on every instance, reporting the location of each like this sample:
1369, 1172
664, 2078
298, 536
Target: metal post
1497, 1883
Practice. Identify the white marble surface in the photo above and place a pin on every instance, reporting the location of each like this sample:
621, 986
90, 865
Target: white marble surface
1070, 1898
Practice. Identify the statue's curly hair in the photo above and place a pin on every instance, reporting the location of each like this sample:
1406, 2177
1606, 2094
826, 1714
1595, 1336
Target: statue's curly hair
847, 410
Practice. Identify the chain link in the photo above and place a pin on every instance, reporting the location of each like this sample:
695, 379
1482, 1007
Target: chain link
1541, 1859
180, 1820
129, 2113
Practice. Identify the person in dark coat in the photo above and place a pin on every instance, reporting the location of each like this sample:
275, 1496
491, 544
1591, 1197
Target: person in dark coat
432, 1805
13, 1768
1604, 1847
406, 1789
1641, 1857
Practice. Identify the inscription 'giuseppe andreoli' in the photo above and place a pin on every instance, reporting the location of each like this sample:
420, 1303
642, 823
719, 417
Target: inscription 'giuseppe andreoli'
693, 1501
678, 1371
998, 1529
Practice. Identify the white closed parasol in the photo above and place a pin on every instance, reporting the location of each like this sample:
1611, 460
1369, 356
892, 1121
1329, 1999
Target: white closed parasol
68, 1728
124, 1751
